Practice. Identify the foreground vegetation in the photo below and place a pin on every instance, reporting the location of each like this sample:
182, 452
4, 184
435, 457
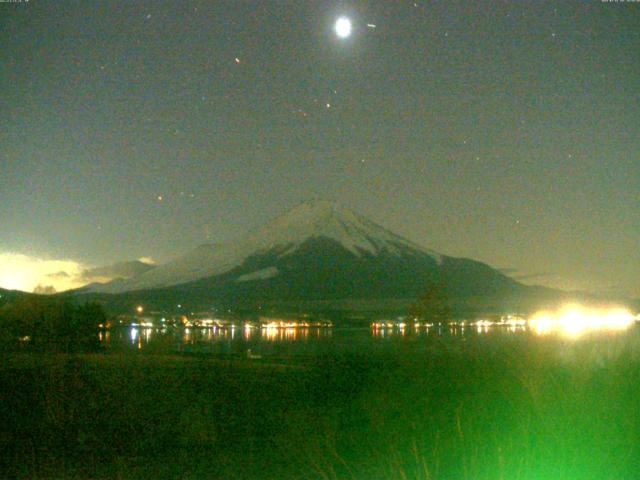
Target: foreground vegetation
40, 323
472, 410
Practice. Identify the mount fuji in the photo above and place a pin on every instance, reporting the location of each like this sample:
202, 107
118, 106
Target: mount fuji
318, 251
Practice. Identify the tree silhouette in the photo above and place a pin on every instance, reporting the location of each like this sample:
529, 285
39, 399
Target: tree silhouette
47, 324
432, 305
44, 289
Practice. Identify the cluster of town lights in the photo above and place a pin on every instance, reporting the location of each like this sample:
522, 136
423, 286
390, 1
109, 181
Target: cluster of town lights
570, 320
508, 321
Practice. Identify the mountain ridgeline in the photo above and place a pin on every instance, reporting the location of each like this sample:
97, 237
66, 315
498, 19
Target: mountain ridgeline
316, 256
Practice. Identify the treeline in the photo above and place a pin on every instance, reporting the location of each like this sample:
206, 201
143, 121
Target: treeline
38, 323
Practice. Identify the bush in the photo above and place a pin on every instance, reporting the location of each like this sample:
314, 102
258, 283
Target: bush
46, 324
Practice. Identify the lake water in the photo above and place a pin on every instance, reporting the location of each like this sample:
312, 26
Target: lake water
289, 343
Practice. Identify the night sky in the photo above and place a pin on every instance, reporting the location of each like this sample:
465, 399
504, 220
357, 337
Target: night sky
507, 132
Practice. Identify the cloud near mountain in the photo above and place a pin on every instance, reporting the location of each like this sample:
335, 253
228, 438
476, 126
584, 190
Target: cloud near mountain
57, 275
28, 273
117, 270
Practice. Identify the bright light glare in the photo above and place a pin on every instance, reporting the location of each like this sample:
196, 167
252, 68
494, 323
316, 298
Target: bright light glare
24, 272
575, 320
343, 27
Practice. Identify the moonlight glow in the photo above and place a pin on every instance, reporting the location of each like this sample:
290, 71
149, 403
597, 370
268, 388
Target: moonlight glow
343, 27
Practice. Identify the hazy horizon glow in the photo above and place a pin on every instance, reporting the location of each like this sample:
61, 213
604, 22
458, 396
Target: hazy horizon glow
26, 272
22, 272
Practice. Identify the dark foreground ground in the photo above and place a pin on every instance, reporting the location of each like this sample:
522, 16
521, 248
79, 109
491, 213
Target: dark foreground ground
518, 411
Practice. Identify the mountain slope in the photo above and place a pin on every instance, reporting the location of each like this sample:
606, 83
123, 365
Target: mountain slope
322, 268
7, 296
316, 252
283, 236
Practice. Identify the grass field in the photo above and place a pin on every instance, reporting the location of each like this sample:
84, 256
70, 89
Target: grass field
521, 409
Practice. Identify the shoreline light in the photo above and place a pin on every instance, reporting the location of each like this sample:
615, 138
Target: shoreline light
575, 320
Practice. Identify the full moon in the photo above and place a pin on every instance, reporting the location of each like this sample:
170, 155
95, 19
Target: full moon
343, 27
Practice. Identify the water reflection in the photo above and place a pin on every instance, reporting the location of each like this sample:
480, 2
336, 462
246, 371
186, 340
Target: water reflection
275, 339
134, 334
187, 335
387, 329
248, 331
138, 337
292, 334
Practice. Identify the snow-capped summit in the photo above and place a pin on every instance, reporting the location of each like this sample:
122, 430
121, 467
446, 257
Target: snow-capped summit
285, 234
328, 220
